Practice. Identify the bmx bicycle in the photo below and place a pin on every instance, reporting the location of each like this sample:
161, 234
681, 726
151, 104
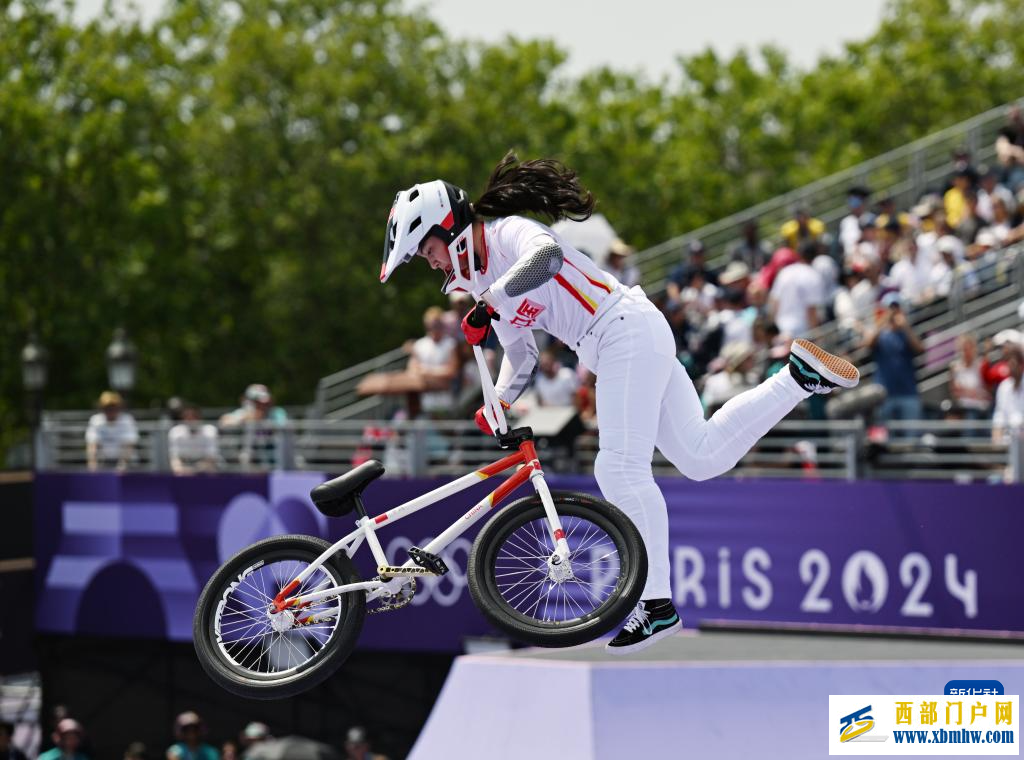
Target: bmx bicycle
551, 569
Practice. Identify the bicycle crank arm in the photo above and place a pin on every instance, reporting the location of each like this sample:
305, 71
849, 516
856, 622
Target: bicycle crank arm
390, 571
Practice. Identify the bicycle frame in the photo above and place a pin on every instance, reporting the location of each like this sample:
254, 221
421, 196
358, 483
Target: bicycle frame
366, 527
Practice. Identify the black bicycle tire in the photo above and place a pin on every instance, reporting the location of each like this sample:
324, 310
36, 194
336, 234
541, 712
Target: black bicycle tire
320, 668
633, 576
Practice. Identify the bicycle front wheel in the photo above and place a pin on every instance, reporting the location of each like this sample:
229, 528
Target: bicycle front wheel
514, 586
254, 651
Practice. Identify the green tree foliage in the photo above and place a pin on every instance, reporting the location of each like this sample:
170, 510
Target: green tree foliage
217, 182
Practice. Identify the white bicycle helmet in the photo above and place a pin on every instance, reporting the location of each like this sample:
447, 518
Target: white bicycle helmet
432, 208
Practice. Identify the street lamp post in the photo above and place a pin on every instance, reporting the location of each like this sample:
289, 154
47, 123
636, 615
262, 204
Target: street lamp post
121, 363
33, 377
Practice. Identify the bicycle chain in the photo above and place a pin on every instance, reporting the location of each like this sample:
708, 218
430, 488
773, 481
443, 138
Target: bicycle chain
394, 601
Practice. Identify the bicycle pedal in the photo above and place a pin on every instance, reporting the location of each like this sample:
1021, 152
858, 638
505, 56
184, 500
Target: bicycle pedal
431, 562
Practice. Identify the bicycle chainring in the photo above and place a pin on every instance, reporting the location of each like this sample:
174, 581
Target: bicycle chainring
394, 601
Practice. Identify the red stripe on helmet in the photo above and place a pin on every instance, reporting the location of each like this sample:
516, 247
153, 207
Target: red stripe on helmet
383, 269
449, 221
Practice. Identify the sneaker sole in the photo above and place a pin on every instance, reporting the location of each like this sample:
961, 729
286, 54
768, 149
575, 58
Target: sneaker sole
650, 640
833, 368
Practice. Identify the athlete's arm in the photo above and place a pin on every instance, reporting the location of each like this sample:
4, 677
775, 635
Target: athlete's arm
517, 368
531, 271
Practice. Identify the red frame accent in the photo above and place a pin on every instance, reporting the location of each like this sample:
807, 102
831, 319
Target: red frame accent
503, 464
281, 601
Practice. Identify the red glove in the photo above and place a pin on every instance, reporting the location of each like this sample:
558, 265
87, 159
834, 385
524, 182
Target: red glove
477, 323
481, 421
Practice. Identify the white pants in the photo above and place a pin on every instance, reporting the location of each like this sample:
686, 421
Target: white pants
646, 399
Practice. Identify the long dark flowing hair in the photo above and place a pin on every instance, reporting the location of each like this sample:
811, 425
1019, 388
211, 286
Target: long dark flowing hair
544, 187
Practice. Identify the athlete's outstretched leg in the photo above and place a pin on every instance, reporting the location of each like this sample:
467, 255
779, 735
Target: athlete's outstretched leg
702, 449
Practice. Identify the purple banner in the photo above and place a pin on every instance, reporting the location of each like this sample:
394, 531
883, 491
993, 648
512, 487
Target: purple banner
127, 555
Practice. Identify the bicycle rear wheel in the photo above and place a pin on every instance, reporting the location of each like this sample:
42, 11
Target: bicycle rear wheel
512, 584
253, 651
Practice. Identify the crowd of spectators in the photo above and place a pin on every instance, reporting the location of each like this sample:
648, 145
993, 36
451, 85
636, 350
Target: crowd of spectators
193, 446
190, 740
733, 324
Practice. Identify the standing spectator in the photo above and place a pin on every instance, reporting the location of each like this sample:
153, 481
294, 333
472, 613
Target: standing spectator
434, 358
191, 444
555, 384
1008, 416
893, 346
751, 251
258, 418
682, 274
966, 386
357, 746
67, 738
111, 436
798, 295
7, 750
189, 731
849, 225
801, 228
620, 264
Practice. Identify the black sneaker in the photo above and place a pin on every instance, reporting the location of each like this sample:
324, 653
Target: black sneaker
818, 371
651, 619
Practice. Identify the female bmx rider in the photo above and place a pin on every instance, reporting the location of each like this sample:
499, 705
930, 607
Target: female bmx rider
531, 279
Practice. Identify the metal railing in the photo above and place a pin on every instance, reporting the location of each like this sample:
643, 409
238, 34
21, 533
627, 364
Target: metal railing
836, 449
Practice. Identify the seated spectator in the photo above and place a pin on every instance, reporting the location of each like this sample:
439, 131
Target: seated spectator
586, 398
735, 277
554, 384
111, 436
966, 386
971, 221
254, 733
868, 247
189, 731
983, 249
893, 345
855, 303
1010, 150
802, 228
67, 738
1001, 223
434, 358
258, 418
911, 274
850, 225
681, 276
993, 373
991, 189
732, 318
750, 251
192, 446
952, 268
357, 746
731, 377
955, 199
1008, 416
620, 263
798, 295
7, 749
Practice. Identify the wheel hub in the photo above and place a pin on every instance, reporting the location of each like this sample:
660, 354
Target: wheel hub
282, 621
